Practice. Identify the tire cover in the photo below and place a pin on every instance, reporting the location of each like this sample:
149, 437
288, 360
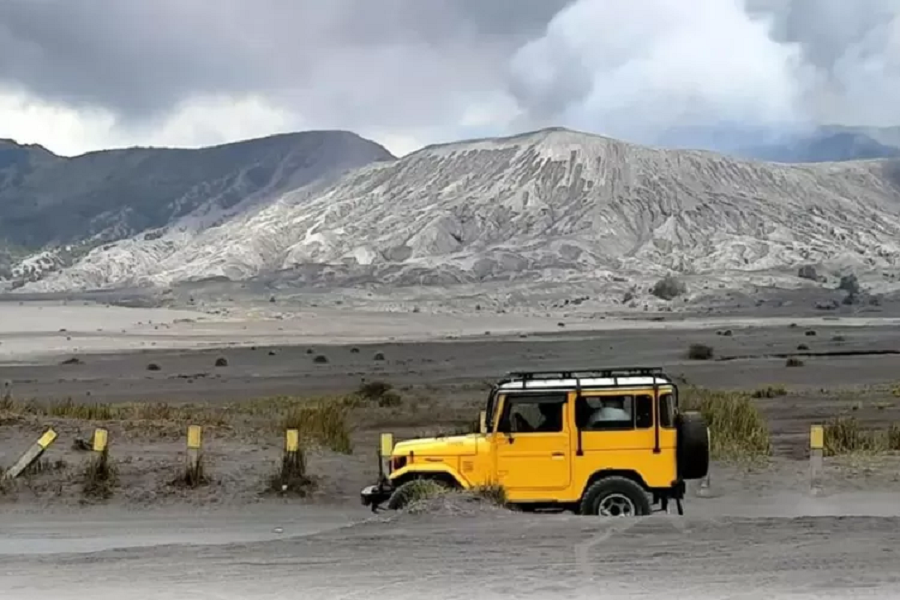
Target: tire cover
692, 446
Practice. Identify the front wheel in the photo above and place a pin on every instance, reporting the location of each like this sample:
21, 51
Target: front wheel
615, 497
415, 490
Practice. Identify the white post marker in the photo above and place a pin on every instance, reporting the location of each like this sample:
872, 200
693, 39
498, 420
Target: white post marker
816, 456
703, 491
31, 455
194, 438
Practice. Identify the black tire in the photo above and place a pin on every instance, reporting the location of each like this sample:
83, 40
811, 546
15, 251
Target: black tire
692, 446
407, 492
615, 491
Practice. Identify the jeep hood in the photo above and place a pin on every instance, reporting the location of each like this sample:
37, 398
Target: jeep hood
457, 445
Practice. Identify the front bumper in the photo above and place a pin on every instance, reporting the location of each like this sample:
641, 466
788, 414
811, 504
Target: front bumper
375, 495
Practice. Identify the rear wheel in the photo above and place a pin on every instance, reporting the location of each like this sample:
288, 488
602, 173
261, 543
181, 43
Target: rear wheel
615, 497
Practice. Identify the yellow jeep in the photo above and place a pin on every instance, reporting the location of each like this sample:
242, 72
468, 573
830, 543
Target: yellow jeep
608, 442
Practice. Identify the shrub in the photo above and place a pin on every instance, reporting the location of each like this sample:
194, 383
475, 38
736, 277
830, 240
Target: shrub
381, 392
737, 428
153, 367
794, 362
320, 359
700, 352
378, 356
849, 283
324, 423
221, 362
668, 288
770, 392
807, 272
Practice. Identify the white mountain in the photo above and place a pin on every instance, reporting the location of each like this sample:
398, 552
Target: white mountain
549, 204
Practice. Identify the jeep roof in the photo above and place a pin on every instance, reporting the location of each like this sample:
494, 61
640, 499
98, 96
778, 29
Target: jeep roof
585, 378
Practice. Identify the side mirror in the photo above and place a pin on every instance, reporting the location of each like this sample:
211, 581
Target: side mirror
482, 422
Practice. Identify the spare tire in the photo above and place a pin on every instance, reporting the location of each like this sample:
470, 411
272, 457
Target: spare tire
692, 446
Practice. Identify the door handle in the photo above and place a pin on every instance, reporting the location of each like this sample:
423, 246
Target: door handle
558, 455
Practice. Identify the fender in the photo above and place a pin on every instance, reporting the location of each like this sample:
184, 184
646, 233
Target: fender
422, 468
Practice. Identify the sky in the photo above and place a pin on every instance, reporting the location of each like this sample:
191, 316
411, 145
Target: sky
82, 75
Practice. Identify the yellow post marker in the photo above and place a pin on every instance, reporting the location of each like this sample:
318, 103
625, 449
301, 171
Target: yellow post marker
816, 456
32, 454
101, 437
194, 437
387, 444
291, 440
816, 437
194, 473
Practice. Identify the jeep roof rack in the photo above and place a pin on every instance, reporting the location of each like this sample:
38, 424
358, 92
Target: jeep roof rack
578, 376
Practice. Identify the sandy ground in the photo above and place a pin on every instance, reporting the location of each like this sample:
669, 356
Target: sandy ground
489, 555
761, 533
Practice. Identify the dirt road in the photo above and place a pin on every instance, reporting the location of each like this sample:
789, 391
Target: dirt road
486, 554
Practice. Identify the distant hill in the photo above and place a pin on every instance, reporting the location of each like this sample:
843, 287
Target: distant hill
59, 208
547, 206
827, 145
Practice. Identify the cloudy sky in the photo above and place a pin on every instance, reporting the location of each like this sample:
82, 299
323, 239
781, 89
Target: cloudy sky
78, 75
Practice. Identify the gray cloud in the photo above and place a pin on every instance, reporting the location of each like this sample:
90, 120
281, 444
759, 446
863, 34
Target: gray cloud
389, 60
633, 69
641, 68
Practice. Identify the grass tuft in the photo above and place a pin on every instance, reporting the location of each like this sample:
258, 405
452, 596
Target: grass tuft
700, 352
845, 435
323, 423
737, 428
380, 392
493, 493
770, 392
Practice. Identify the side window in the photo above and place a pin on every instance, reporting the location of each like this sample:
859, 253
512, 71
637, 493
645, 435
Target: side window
533, 414
667, 411
643, 411
604, 413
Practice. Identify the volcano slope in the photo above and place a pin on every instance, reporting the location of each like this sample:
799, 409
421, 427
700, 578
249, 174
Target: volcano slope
549, 206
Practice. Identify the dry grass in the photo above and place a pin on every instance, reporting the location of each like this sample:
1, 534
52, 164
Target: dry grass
493, 493
99, 477
845, 435
737, 428
322, 423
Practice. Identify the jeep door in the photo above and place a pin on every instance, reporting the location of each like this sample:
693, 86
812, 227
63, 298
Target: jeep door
532, 446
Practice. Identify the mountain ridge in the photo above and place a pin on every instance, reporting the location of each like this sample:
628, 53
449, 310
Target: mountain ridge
63, 207
549, 205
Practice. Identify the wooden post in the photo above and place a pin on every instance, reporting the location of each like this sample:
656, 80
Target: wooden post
293, 463
816, 456
194, 472
31, 455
